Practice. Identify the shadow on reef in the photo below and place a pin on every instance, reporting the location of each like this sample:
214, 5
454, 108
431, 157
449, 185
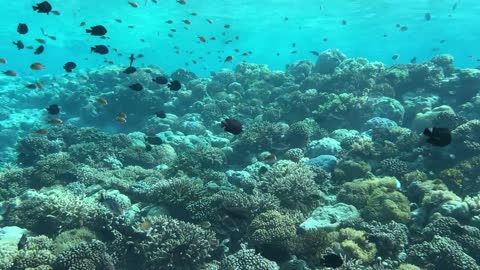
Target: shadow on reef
331, 161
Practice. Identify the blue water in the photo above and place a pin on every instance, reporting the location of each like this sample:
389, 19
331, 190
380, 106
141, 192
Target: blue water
260, 25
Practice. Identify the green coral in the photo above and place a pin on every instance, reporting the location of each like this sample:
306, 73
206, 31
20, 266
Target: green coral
386, 204
70, 238
247, 259
177, 191
300, 133
200, 158
358, 192
54, 169
354, 243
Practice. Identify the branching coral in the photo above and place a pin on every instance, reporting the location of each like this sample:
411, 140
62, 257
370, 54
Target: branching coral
85, 256
273, 229
293, 184
173, 244
354, 243
247, 259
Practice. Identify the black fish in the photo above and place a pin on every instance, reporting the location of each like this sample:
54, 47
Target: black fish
43, 7
22, 28
148, 147
160, 80
132, 57
428, 16
174, 85
332, 260
53, 109
414, 60
100, 49
69, 66
232, 125
129, 70
39, 50
19, 44
22, 242
315, 53
97, 30
438, 136
153, 140
136, 87
161, 114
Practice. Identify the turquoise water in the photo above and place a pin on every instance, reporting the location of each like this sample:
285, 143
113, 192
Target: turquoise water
260, 25
255, 135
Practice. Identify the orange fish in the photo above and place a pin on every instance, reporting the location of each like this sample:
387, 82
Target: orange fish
120, 120
3, 61
102, 101
210, 21
37, 66
55, 121
42, 131
202, 38
133, 4
11, 73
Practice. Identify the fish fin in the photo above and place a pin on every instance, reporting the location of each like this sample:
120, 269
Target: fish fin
35, 8
88, 30
427, 132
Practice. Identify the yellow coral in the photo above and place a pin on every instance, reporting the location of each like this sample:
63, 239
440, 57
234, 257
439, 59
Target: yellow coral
356, 246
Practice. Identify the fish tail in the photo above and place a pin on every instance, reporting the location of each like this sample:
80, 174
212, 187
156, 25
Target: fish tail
35, 8
427, 132
92, 49
88, 30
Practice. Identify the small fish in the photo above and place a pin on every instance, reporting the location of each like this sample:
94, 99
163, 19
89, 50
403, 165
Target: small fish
428, 16
232, 125
202, 38
139, 55
169, 21
153, 140
41, 40
56, 12
228, 59
118, 20
161, 114
22, 242
11, 73
102, 101
133, 4
69, 66
210, 21
19, 44
293, 52
121, 118
42, 131
174, 85
315, 53
43, 7
403, 28
438, 136
332, 260
454, 7
22, 28
395, 56
39, 50
100, 49
53, 109
136, 87
83, 24
181, 2
160, 80
3, 61
325, 39
130, 70
55, 121
97, 30
29, 47
413, 60
37, 66
186, 22
344, 22
52, 37
227, 26
131, 58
